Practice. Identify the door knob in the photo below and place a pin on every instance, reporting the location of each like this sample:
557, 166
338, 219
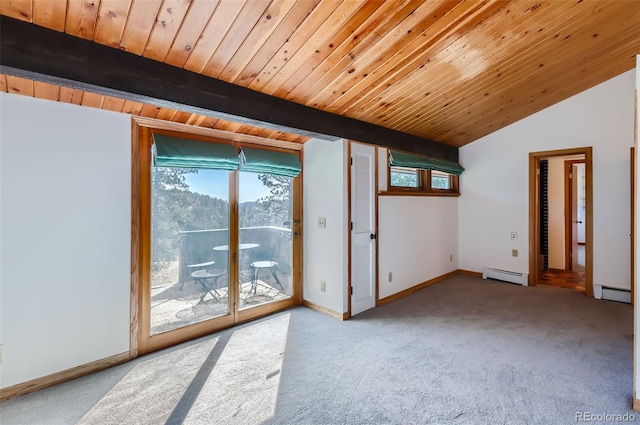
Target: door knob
579, 222
372, 236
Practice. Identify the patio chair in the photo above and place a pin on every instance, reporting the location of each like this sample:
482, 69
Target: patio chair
271, 264
190, 258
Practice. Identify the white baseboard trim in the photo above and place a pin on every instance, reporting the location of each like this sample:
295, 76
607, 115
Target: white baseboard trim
602, 292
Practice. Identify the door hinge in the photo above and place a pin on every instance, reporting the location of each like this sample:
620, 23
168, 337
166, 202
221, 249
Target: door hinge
351, 226
570, 175
235, 208
351, 160
352, 290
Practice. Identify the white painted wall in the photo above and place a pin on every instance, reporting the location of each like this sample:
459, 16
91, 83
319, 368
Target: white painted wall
556, 213
383, 163
65, 236
416, 237
325, 249
495, 185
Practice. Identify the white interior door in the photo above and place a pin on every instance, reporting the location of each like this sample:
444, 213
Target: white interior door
363, 236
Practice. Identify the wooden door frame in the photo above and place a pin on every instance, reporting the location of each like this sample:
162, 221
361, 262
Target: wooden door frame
534, 211
568, 207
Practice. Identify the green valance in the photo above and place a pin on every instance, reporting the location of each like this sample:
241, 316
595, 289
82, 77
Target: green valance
269, 162
401, 159
186, 153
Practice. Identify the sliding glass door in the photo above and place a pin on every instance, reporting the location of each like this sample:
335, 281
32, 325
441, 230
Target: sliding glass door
217, 245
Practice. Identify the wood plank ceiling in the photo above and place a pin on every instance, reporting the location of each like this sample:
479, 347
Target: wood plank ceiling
451, 71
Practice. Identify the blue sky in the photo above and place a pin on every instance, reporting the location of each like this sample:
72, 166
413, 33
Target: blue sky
216, 184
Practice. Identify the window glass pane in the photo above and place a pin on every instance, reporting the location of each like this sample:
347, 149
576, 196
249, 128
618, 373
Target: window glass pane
440, 180
189, 216
404, 177
265, 239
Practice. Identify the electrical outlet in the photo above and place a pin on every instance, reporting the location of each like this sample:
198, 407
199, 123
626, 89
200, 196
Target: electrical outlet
322, 222
323, 286
514, 252
390, 277
514, 236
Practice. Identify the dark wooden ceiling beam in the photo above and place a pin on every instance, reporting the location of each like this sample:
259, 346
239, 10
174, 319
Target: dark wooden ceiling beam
41, 54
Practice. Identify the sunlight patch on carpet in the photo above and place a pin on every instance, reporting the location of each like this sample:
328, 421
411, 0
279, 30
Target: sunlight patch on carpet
243, 388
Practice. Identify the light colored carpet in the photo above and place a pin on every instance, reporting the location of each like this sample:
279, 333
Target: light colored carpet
463, 351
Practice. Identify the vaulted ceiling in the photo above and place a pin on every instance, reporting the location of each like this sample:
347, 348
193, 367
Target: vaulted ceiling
451, 71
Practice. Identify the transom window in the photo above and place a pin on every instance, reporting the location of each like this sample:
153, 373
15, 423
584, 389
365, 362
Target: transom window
424, 179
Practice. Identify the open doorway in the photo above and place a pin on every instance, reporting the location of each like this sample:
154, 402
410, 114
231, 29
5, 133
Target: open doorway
560, 194
563, 221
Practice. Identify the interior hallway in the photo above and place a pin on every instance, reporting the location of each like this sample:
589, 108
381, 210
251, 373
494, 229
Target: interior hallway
571, 280
561, 279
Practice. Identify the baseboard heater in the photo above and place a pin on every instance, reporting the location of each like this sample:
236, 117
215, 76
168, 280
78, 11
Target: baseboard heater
611, 294
506, 276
